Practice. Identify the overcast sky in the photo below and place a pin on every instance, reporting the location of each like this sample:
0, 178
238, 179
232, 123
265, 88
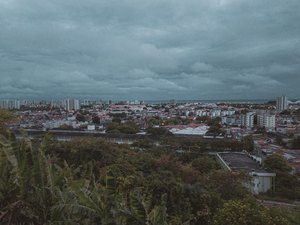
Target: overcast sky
150, 49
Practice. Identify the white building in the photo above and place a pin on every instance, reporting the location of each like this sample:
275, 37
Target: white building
86, 102
229, 120
215, 113
51, 124
56, 103
71, 104
266, 120
9, 104
282, 103
247, 119
91, 127
262, 180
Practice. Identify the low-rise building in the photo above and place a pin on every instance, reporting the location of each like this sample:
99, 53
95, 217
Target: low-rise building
262, 180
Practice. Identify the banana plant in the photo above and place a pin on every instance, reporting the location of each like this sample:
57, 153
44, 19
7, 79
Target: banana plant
30, 175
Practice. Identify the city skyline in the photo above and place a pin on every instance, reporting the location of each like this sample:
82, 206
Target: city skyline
209, 50
116, 100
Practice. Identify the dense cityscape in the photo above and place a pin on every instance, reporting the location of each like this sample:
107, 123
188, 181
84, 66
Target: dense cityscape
274, 126
140, 112
255, 143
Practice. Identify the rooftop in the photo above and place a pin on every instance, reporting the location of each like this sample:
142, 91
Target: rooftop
241, 162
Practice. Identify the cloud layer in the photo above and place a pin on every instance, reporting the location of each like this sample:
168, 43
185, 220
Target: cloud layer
158, 49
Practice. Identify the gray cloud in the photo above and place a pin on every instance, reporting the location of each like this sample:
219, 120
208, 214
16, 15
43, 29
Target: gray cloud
195, 49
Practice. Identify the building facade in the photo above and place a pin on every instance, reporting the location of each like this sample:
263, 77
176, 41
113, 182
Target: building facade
282, 103
9, 104
262, 181
71, 104
266, 120
247, 120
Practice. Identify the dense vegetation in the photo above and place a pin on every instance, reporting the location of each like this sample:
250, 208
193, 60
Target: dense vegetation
286, 184
296, 143
92, 181
126, 128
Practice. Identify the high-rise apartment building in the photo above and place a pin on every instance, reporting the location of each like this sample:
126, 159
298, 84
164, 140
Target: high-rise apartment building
9, 104
282, 103
247, 119
71, 104
266, 120
86, 102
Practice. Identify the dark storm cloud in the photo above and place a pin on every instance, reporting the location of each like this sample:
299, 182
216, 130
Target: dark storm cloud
194, 49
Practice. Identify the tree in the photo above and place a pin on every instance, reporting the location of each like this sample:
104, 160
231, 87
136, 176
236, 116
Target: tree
116, 119
296, 143
243, 212
228, 185
214, 122
293, 216
128, 128
278, 140
143, 143
261, 130
204, 164
5, 116
96, 119
277, 163
158, 131
66, 127
286, 185
125, 128
215, 130
248, 143
80, 118
113, 128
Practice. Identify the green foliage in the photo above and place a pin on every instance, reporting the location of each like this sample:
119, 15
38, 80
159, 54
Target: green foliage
245, 212
204, 164
81, 151
248, 143
292, 215
80, 118
125, 128
5, 117
277, 163
92, 181
278, 140
209, 121
282, 216
96, 119
261, 130
216, 130
66, 127
286, 185
116, 120
158, 131
226, 145
296, 143
143, 143
34, 181
228, 185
